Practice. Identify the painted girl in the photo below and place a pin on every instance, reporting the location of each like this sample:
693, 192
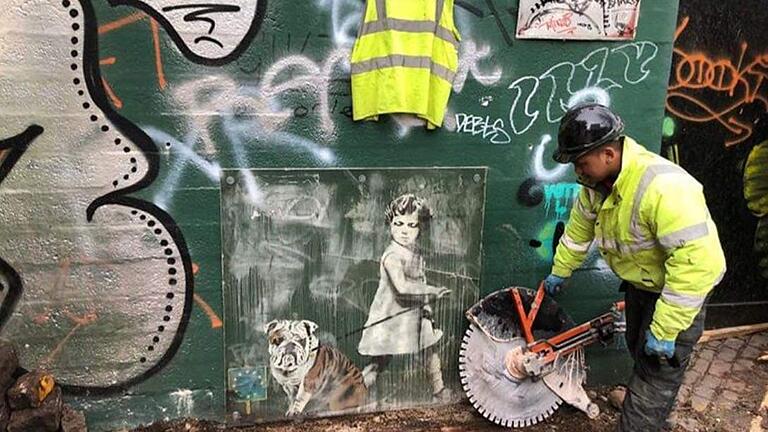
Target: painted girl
399, 320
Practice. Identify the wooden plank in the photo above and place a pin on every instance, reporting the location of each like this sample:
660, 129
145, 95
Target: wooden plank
726, 332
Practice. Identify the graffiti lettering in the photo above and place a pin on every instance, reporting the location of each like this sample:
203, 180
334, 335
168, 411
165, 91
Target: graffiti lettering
559, 80
559, 197
492, 130
739, 84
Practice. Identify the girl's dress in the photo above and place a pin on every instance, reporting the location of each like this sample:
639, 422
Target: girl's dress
402, 286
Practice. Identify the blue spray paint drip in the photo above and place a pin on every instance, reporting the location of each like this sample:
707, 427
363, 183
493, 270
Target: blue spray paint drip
560, 196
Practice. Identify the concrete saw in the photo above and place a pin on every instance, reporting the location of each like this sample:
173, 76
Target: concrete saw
522, 356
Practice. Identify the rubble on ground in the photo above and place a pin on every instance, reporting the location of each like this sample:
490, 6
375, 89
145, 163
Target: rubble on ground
32, 401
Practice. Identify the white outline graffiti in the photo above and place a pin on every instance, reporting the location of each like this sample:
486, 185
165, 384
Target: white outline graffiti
470, 57
559, 81
345, 19
540, 172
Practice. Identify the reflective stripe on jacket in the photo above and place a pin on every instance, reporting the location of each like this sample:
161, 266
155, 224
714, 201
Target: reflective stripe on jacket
654, 231
404, 59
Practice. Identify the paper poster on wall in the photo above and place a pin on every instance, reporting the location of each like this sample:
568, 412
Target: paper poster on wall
345, 289
578, 19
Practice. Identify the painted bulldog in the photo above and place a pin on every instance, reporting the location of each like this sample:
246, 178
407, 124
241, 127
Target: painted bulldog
310, 373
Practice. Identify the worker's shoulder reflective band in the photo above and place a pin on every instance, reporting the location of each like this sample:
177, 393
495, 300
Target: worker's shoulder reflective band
409, 27
587, 213
574, 245
649, 175
679, 238
395, 60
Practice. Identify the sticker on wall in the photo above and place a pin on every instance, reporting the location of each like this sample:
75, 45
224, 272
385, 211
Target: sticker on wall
248, 384
578, 19
351, 285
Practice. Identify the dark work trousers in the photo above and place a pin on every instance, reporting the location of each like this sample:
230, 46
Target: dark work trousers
654, 383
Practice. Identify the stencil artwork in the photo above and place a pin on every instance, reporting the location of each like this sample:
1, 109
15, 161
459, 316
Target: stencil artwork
356, 280
314, 377
400, 319
577, 19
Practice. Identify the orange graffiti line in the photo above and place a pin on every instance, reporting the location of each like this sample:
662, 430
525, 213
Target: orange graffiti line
215, 320
122, 22
731, 124
681, 27
116, 102
107, 61
86, 319
58, 284
158, 57
62, 275
696, 71
743, 126
79, 322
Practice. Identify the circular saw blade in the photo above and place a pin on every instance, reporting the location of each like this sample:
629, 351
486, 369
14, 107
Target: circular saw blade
496, 394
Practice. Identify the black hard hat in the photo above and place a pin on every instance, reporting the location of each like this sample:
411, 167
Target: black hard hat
584, 128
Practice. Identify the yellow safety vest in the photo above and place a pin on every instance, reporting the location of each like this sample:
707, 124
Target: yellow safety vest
404, 59
654, 230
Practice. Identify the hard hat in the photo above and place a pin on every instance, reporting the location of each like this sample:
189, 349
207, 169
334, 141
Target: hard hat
584, 128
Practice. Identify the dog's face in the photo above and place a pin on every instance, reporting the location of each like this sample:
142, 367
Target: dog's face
291, 343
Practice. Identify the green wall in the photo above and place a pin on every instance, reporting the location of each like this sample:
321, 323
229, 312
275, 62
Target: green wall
73, 248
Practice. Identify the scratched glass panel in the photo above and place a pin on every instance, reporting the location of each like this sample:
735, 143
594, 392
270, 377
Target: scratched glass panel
345, 290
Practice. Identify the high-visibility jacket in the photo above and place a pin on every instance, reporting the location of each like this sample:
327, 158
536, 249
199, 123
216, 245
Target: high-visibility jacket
654, 230
404, 59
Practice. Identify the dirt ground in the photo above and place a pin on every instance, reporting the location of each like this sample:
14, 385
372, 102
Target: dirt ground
463, 418
451, 418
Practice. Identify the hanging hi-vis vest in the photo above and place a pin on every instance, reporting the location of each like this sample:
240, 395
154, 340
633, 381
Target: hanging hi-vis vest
404, 59
654, 230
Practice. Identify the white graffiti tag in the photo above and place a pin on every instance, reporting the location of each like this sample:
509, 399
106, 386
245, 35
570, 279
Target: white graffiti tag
560, 82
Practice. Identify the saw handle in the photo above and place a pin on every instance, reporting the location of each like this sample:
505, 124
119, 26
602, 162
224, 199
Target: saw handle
526, 320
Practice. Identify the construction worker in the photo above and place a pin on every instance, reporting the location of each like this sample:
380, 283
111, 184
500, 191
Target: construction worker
650, 223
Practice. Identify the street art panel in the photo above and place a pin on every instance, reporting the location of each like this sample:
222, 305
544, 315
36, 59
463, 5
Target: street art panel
578, 19
348, 286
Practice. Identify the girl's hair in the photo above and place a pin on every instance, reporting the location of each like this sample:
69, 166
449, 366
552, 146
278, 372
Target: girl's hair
407, 204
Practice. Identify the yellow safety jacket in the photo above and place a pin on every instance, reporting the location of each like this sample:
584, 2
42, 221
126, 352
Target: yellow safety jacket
404, 59
654, 230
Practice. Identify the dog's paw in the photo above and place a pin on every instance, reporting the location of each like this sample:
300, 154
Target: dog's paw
293, 411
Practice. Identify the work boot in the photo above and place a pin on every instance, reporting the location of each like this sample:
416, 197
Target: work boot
616, 397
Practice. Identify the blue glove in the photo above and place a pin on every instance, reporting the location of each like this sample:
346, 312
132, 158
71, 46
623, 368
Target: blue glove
553, 284
659, 348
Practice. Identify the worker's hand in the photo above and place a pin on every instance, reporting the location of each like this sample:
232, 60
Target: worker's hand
443, 292
553, 284
658, 348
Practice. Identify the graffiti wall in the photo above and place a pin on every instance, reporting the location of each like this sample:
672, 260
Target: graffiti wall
716, 128
120, 118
